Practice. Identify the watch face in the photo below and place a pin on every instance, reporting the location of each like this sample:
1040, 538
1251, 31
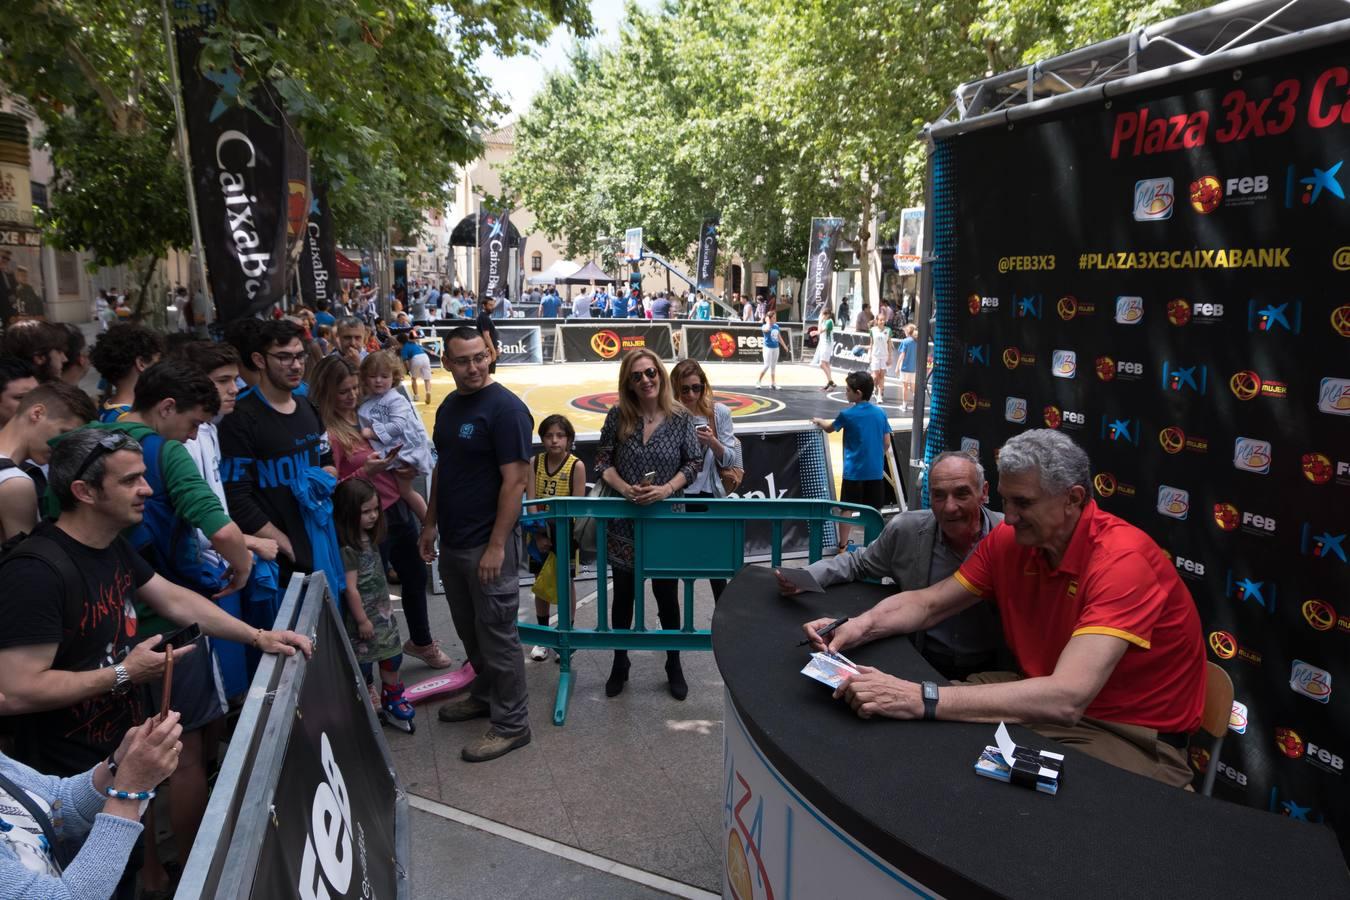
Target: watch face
930, 691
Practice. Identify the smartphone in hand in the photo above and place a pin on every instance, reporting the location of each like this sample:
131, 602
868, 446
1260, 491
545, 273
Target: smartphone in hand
647, 479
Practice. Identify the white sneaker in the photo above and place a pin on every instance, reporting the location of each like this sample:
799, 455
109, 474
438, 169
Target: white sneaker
539, 654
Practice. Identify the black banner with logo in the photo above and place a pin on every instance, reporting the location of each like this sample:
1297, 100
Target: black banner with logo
519, 345
1167, 280
600, 342
732, 343
493, 228
706, 270
819, 285
332, 829
318, 260
239, 172
851, 351
299, 196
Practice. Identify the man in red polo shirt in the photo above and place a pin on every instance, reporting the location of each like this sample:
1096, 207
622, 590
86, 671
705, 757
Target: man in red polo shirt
1105, 634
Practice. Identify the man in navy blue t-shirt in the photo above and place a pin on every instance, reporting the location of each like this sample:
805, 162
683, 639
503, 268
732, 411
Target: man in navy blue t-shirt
867, 440
482, 438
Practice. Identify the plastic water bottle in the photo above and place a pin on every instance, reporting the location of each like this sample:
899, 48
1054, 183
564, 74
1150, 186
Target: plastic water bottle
852, 547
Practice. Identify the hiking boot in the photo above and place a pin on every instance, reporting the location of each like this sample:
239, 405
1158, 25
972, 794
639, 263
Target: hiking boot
431, 654
462, 710
494, 744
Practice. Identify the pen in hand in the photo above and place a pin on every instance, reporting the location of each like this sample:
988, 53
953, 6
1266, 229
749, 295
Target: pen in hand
825, 632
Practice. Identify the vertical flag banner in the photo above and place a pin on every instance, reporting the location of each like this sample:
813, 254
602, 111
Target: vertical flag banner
1167, 281
318, 259
820, 266
493, 231
706, 270
298, 195
240, 175
909, 246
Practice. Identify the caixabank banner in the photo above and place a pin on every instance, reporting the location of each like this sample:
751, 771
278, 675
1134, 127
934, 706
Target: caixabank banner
1166, 278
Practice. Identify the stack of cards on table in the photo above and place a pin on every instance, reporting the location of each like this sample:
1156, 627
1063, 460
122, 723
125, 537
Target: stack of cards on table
830, 668
1022, 766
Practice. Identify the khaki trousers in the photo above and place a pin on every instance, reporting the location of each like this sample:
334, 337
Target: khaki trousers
1134, 748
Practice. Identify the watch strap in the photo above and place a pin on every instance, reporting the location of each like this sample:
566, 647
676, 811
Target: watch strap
929, 701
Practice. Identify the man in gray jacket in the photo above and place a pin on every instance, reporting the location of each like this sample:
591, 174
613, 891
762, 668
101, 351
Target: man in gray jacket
922, 547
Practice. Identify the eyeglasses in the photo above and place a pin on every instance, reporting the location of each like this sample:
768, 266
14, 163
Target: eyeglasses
636, 377
108, 443
694, 389
288, 359
476, 360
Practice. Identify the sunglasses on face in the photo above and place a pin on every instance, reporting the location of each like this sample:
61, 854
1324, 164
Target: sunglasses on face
636, 377
694, 389
109, 443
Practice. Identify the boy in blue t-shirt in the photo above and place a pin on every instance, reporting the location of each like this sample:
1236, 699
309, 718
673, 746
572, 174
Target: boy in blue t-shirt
867, 440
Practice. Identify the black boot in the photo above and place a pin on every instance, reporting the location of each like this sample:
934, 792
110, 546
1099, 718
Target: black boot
678, 688
618, 674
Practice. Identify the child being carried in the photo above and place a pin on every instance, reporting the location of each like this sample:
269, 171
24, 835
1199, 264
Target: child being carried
391, 424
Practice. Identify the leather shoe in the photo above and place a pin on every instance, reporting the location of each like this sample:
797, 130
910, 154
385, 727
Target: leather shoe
618, 674
493, 744
462, 710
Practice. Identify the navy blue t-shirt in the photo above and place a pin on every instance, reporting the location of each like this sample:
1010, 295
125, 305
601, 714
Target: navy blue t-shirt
475, 435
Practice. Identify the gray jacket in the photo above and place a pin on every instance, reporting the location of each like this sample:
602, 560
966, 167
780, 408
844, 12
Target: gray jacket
904, 553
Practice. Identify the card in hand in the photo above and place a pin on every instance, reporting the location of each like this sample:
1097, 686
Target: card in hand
829, 668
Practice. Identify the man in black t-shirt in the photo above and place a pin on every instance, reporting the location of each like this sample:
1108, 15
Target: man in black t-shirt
68, 663
487, 329
271, 437
482, 438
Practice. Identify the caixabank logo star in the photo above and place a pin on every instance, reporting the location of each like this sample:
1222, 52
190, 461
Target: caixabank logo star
1173, 439
1182, 378
1322, 543
1028, 307
977, 355
1120, 430
1245, 591
1269, 317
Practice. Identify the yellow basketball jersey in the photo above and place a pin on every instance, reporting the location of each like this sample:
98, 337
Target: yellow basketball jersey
558, 484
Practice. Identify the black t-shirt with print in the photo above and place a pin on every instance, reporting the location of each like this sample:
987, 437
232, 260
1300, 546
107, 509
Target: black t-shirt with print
70, 740
475, 435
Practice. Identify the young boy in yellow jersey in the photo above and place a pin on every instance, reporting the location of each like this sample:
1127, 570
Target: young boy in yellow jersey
557, 473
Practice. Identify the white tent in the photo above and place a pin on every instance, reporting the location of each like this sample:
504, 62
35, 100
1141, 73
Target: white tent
560, 269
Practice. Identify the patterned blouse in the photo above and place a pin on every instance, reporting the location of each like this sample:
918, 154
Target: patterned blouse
673, 448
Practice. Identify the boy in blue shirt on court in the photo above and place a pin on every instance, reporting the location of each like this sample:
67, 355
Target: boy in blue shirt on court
867, 440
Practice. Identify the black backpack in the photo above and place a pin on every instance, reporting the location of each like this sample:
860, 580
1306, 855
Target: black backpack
39, 544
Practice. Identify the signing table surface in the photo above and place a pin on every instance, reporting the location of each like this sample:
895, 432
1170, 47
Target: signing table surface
907, 791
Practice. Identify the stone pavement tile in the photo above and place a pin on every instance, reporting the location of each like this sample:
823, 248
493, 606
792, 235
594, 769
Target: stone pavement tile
416, 768
684, 856
620, 794
451, 861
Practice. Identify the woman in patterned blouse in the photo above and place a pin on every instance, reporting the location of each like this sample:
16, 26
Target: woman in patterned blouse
644, 433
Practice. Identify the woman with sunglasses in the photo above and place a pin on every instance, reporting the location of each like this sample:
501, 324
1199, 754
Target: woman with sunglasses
648, 451
716, 437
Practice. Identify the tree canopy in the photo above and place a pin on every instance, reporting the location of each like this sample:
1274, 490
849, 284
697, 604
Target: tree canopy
772, 113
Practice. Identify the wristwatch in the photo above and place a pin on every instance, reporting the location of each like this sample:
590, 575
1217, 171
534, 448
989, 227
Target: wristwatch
123, 683
930, 699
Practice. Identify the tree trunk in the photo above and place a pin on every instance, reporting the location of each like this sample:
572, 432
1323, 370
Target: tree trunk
138, 313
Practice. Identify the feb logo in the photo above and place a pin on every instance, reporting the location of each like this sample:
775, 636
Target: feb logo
1105, 367
1129, 310
1316, 467
1064, 363
1310, 681
1206, 193
1251, 455
1322, 546
1174, 502
1226, 516
1333, 396
1052, 417
1319, 614
1015, 410
973, 304
1154, 199
1340, 320
722, 344
1272, 317
1180, 378
1178, 312
1289, 742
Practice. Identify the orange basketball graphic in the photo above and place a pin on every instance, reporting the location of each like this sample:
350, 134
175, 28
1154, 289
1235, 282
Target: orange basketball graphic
605, 344
1245, 384
1172, 439
1206, 192
1067, 307
1105, 483
1106, 368
1289, 741
1178, 312
973, 304
723, 345
1317, 467
1320, 615
1053, 419
1223, 644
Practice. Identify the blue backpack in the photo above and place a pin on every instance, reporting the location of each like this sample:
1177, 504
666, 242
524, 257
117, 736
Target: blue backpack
165, 540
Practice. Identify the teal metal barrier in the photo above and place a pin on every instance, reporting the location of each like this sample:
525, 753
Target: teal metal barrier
682, 539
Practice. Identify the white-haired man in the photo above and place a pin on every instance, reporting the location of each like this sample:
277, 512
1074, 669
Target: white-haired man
1106, 637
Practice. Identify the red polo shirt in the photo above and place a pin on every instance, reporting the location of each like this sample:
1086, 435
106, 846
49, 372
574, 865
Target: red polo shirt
1112, 580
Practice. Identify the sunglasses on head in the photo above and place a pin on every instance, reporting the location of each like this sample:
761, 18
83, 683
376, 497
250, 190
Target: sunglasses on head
691, 388
108, 443
637, 376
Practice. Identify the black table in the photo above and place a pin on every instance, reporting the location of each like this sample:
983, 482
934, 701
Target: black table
904, 794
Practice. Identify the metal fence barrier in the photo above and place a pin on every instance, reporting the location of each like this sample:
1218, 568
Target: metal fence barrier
681, 539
